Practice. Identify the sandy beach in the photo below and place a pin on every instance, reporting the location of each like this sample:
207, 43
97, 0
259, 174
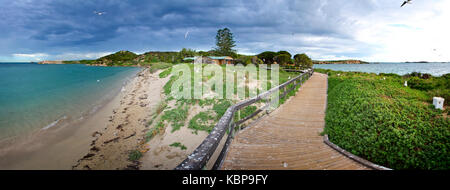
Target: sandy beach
125, 127
65, 147
104, 139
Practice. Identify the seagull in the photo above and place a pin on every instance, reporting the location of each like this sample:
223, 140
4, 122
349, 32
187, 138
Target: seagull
99, 13
186, 35
404, 2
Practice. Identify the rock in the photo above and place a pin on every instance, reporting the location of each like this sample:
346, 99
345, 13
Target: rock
88, 156
95, 149
144, 96
96, 134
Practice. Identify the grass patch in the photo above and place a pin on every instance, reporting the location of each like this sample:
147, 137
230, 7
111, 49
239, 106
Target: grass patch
247, 111
157, 66
179, 145
221, 107
165, 73
176, 117
203, 121
158, 129
377, 118
134, 155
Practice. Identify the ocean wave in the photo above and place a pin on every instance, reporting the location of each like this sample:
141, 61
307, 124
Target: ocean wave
54, 123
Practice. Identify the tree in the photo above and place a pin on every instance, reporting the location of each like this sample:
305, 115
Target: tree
303, 60
284, 52
246, 60
283, 59
267, 57
204, 53
187, 53
225, 42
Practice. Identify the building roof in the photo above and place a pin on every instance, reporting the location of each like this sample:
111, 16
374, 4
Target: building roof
189, 58
221, 57
211, 57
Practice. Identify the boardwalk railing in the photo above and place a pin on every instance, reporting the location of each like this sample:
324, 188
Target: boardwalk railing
227, 124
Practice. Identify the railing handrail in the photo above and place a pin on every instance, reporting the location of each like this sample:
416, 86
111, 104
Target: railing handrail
199, 158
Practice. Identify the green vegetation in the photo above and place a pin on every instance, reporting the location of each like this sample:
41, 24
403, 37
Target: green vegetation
225, 43
118, 58
247, 111
88, 62
377, 118
176, 117
157, 66
302, 60
134, 155
433, 86
158, 129
283, 59
247, 60
267, 57
221, 107
165, 73
203, 121
179, 145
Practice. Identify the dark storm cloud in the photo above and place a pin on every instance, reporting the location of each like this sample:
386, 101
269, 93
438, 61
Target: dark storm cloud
56, 27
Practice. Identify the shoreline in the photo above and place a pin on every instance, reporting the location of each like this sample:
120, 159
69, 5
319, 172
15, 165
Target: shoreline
58, 147
125, 130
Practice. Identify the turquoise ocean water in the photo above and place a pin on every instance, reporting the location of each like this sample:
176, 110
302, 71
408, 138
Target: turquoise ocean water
435, 69
34, 97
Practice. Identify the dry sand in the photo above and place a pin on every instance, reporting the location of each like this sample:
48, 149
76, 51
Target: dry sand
162, 156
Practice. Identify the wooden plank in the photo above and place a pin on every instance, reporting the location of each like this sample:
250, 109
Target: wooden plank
289, 138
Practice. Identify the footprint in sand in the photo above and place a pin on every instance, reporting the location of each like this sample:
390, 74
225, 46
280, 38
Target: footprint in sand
173, 155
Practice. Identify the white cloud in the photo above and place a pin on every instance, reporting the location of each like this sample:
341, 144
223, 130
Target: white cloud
64, 56
30, 57
418, 32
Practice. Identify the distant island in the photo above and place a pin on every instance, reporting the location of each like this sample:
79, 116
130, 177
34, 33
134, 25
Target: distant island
125, 58
51, 62
349, 61
417, 62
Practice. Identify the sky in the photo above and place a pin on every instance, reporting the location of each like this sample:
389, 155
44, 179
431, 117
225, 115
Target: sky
370, 30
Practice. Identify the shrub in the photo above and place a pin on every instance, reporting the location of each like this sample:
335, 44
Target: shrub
134, 155
386, 123
303, 60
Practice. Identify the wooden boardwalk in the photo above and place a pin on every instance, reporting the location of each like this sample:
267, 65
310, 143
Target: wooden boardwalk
289, 138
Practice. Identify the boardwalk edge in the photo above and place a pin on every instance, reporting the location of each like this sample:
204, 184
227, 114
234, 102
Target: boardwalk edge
352, 156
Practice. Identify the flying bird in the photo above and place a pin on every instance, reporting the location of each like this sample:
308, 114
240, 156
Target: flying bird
405, 2
99, 13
